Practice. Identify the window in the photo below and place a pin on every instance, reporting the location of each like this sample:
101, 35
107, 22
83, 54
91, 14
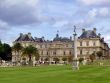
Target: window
47, 53
87, 52
64, 53
81, 52
66, 45
45, 46
40, 46
41, 52
54, 53
80, 43
70, 52
87, 43
94, 44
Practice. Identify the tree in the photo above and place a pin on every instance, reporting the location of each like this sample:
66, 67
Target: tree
81, 60
47, 59
56, 60
64, 59
92, 57
5, 51
30, 51
17, 47
70, 59
99, 54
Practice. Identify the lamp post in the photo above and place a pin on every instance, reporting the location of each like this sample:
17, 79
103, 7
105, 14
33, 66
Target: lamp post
75, 59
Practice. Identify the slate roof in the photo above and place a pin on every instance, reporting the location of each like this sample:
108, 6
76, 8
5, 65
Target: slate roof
62, 39
89, 34
25, 37
28, 37
39, 39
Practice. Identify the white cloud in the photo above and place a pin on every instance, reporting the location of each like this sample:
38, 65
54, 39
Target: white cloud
9, 3
92, 13
104, 11
95, 2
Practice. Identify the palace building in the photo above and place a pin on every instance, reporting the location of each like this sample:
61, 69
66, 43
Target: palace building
90, 42
87, 43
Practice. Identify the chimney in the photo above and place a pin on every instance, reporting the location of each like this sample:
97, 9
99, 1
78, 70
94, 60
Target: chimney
21, 34
43, 38
103, 38
99, 35
29, 34
94, 29
83, 30
70, 38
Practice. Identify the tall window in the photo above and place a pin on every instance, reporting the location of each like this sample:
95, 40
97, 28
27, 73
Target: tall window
47, 53
54, 53
41, 52
66, 45
87, 43
94, 44
70, 53
80, 43
80, 52
40, 46
64, 53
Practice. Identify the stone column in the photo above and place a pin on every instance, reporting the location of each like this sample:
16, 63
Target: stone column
75, 59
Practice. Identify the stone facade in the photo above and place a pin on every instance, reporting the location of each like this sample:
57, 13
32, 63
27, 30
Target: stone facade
59, 47
88, 42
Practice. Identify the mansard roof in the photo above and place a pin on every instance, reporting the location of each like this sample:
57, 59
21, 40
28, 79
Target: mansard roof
62, 39
89, 34
25, 37
28, 37
39, 39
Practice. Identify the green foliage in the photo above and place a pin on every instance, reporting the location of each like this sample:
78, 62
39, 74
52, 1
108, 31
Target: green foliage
99, 54
17, 47
30, 51
5, 51
56, 59
64, 58
24, 59
47, 59
81, 59
70, 59
92, 57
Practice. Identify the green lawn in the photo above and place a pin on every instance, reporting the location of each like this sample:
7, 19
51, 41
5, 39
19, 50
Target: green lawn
55, 74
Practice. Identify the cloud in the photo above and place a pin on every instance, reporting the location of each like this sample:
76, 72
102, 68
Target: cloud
19, 12
3, 27
95, 2
104, 11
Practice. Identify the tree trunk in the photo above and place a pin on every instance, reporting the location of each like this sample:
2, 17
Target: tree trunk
30, 61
